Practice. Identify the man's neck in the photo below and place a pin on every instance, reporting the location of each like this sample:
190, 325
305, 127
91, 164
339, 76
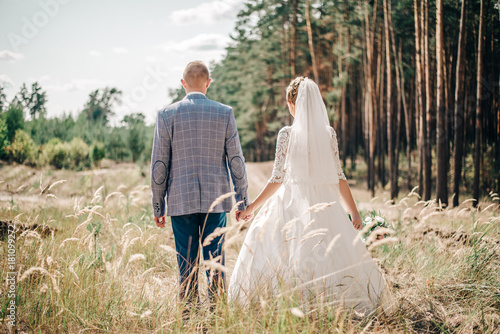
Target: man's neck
194, 91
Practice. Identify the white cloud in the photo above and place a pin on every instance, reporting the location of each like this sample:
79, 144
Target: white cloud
76, 85
7, 55
120, 50
41, 80
6, 81
209, 12
94, 53
151, 59
199, 43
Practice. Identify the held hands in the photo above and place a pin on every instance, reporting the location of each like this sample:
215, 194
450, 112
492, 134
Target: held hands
160, 221
245, 215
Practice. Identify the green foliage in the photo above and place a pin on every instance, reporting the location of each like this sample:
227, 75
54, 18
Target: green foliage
176, 94
97, 153
136, 127
100, 103
43, 129
14, 119
79, 154
57, 153
79, 142
74, 155
3, 99
116, 146
34, 101
4, 138
23, 148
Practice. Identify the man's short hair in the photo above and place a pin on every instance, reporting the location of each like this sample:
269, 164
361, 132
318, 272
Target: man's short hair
195, 72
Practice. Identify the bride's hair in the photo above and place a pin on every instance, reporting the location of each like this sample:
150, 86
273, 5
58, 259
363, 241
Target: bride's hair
293, 89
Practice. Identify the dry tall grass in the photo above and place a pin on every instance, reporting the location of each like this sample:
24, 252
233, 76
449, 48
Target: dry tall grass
108, 268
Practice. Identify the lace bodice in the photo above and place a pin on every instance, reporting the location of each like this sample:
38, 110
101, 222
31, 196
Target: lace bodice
279, 172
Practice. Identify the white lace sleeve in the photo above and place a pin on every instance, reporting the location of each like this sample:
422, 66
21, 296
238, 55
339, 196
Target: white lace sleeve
280, 157
335, 147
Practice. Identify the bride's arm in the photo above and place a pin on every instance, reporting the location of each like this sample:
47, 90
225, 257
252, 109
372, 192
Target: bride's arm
264, 195
277, 176
345, 192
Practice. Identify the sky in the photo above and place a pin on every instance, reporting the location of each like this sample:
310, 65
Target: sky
71, 47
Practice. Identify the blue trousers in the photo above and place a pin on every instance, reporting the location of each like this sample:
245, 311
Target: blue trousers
189, 232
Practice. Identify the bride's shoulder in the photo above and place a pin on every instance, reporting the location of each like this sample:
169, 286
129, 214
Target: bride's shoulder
332, 131
284, 134
285, 130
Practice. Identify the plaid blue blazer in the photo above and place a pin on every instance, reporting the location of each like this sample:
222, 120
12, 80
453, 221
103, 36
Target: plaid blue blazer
195, 148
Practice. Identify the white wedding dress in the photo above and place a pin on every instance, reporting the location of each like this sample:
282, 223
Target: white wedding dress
301, 241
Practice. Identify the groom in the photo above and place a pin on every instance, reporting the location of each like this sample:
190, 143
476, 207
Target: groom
195, 141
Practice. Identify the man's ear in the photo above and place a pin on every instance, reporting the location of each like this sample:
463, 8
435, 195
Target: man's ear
208, 82
184, 83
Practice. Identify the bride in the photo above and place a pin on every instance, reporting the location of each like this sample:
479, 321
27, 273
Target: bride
302, 241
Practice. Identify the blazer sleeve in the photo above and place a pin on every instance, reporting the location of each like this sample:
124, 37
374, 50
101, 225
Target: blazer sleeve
160, 165
236, 162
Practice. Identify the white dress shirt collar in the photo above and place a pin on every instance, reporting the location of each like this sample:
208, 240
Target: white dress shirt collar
195, 93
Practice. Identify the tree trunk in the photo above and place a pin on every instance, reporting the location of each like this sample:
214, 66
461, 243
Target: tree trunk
458, 144
398, 123
284, 49
419, 102
352, 89
407, 108
408, 116
293, 51
390, 122
477, 146
370, 102
441, 140
342, 105
381, 116
311, 43
345, 92
428, 108
400, 96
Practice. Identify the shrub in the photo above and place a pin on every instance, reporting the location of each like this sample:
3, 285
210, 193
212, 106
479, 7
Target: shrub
79, 154
4, 138
57, 153
97, 153
23, 148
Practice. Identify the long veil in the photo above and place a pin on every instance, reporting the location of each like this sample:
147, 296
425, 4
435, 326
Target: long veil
311, 176
310, 159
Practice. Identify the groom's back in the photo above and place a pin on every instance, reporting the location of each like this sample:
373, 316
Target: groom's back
198, 169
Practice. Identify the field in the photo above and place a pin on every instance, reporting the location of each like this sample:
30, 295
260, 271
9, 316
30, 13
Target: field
96, 263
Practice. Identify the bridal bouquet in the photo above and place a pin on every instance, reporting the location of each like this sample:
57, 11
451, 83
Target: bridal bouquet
375, 222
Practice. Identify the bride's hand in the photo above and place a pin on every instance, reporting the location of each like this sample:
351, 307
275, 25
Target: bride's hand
357, 222
247, 214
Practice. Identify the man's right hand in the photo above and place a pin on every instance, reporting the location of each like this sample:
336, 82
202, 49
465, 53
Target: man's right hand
160, 221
